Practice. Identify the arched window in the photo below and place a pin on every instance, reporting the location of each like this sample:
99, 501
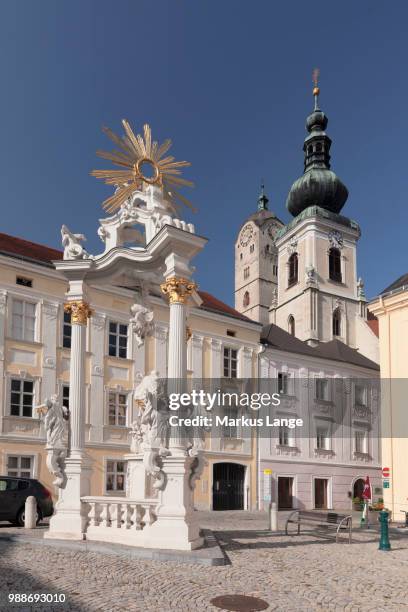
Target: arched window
246, 300
337, 322
293, 269
291, 325
335, 265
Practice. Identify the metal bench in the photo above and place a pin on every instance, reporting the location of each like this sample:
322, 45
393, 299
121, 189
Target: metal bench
325, 520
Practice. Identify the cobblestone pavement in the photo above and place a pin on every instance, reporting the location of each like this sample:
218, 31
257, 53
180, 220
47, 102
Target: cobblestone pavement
291, 573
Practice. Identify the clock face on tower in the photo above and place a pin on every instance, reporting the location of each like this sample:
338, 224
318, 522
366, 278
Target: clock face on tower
246, 234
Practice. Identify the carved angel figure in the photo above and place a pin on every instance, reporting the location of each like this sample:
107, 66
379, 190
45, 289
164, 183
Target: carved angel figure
73, 248
55, 418
141, 322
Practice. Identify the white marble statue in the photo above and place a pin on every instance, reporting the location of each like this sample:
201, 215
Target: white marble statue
73, 248
55, 418
149, 431
141, 322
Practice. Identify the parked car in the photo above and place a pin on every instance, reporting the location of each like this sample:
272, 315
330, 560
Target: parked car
13, 494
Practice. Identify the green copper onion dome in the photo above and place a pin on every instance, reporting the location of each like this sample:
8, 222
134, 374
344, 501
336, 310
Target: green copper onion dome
319, 186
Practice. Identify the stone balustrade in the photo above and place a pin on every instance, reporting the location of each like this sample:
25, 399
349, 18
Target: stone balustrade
115, 519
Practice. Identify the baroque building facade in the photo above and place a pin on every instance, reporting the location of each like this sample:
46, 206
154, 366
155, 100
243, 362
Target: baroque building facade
35, 354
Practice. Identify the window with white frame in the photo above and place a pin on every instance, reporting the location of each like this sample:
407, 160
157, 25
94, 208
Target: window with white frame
115, 476
66, 330
322, 389
361, 441
283, 383
20, 466
117, 409
118, 339
323, 437
23, 320
285, 436
21, 397
230, 431
360, 395
230, 362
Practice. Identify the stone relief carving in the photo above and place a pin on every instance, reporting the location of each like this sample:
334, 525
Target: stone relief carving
55, 416
73, 248
336, 239
142, 319
292, 246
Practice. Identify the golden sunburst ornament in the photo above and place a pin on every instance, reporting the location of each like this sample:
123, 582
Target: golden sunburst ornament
142, 163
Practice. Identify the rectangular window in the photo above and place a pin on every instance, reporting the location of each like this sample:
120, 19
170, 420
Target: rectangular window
360, 441
65, 396
360, 395
117, 409
115, 476
283, 383
322, 389
21, 397
284, 436
118, 337
20, 466
66, 330
230, 362
23, 320
24, 282
230, 431
322, 438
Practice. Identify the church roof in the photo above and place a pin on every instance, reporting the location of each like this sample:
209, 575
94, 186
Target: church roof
261, 216
25, 250
277, 338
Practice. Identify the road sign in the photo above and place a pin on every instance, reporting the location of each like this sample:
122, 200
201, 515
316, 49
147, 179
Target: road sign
386, 483
267, 471
386, 472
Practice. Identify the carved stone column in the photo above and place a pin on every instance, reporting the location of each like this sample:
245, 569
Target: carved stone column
69, 521
177, 290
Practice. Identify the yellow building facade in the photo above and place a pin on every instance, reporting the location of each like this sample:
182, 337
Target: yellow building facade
391, 308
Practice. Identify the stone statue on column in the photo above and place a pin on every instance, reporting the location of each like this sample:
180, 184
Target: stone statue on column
150, 429
55, 417
73, 248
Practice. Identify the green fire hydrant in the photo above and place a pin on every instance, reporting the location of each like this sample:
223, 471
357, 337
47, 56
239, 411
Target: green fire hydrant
384, 537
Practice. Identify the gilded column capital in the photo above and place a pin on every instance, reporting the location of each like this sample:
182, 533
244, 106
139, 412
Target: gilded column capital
80, 311
178, 289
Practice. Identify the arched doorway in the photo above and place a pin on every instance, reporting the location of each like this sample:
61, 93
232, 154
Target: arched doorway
358, 487
228, 486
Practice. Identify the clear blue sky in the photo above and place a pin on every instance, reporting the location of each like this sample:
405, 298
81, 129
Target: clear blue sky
230, 82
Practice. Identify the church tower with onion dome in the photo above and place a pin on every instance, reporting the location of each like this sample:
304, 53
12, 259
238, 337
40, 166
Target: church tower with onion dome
320, 297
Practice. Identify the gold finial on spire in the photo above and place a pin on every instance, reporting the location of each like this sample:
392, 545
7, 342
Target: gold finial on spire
316, 89
315, 77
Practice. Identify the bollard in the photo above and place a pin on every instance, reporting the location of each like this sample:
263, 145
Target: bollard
274, 517
30, 513
384, 537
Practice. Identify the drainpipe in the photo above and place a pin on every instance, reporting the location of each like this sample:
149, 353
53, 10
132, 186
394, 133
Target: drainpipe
258, 450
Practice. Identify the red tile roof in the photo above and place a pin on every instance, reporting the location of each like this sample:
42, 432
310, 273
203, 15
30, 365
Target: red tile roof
372, 323
24, 249
213, 304
31, 251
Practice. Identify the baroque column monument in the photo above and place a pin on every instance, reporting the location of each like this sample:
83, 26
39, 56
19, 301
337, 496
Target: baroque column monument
163, 462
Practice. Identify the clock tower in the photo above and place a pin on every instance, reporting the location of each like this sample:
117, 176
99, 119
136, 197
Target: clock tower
256, 263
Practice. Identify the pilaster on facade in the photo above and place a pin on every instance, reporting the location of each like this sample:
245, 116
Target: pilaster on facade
97, 332
161, 335
3, 323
